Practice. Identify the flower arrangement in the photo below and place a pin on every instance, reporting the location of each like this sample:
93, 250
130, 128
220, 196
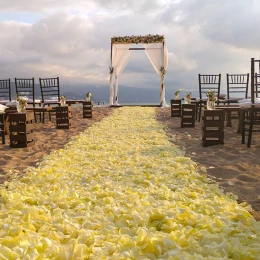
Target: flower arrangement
163, 71
88, 95
63, 100
188, 95
211, 95
177, 93
187, 99
22, 101
138, 39
211, 99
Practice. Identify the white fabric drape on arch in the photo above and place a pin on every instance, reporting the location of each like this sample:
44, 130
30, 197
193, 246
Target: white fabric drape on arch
157, 53
120, 57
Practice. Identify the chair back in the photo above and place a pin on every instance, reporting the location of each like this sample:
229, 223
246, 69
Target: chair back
5, 90
25, 88
50, 90
209, 83
257, 85
237, 83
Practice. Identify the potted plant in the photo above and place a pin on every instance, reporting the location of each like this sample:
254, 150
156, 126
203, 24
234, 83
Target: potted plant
188, 97
21, 104
62, 101
88, 95
177, 95
211, 99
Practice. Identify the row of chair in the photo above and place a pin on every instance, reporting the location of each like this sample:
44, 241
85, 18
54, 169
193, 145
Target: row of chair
251, 116
49, 87
236, 83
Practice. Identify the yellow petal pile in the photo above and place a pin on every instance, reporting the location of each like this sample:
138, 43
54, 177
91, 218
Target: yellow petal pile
121, 190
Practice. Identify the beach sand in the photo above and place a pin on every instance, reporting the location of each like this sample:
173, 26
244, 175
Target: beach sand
234, 166
47, 138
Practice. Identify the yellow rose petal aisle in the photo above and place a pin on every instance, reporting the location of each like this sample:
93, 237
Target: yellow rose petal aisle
121, 190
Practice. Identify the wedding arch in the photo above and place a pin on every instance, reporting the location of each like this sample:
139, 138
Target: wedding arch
121, 49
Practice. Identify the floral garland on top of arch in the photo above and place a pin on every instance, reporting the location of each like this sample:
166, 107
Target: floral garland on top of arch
138, 39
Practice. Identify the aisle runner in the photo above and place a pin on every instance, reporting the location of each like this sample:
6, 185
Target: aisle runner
121, 190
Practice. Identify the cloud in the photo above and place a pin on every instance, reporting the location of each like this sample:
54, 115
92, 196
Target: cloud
71, 39
45, 6
230, 22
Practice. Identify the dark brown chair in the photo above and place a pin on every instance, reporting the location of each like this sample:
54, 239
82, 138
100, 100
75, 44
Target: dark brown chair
237, 84
208, 83
26, 88
248, 122
257, 85
50, 91
5, 91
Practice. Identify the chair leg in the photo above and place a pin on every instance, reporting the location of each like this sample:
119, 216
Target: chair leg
3, 134
199, 112
196, 112
3, 137
35, 117
250, 128
242, 126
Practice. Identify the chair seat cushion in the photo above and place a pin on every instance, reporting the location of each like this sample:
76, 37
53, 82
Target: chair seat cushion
2, 108
246, 103
11, 103
222, 96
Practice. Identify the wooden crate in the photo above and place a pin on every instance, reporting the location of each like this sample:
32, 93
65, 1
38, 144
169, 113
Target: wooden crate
176, 108
21, 129
213, 127
63, 117
2, 127
87, 109
188, 114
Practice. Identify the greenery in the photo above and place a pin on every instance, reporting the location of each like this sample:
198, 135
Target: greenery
211, 95
22, 100
189, 95
177, 92
163, 71
138, 39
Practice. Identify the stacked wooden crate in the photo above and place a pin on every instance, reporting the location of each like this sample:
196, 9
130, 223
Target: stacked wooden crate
2, 127
21, 129
213, 127
176, 108
63, 117
188, 114
87, 109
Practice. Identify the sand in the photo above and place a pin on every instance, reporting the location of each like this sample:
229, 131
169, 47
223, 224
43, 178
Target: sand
234, 166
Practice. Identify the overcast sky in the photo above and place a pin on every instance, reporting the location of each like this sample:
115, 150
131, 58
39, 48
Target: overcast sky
71, 39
